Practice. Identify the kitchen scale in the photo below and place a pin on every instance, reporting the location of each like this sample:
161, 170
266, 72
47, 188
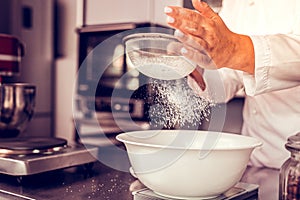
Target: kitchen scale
241, 191
21, 157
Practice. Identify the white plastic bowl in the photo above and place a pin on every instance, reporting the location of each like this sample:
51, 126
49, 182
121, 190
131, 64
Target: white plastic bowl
188, 164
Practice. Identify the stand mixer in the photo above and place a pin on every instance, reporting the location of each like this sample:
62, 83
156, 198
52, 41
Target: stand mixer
17, 100
20, 155
17, 103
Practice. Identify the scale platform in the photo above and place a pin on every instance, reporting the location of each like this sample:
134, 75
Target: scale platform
72, 155
241, 191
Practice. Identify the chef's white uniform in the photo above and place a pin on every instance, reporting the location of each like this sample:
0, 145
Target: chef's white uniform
272, 101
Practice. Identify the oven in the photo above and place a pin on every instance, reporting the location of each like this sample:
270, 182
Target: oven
99, 74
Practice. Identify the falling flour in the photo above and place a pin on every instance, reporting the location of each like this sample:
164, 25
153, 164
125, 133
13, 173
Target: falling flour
175, 105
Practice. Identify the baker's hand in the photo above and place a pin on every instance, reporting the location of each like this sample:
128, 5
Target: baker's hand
207, 40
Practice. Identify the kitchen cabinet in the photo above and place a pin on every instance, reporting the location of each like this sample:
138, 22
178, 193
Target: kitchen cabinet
116, 11
97, 12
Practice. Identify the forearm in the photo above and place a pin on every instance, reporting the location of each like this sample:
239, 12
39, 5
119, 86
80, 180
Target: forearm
243, 57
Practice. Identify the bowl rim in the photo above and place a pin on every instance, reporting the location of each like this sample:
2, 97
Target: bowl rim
255, 141
151, 35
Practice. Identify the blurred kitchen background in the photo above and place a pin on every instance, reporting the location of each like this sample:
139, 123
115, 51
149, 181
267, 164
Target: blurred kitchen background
58, 34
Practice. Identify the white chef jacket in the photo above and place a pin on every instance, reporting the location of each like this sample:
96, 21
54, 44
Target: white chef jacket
272, 102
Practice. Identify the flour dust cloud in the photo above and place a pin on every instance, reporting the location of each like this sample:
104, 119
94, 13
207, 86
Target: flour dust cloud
175, 105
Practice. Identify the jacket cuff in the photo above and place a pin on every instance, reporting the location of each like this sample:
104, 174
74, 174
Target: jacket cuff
259, 82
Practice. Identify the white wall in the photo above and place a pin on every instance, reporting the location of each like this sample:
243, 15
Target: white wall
66, 67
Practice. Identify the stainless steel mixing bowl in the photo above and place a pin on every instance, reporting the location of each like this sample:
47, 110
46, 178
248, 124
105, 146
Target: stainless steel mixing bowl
17, 103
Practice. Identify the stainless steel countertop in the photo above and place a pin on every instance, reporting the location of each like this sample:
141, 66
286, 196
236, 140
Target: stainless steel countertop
103, 182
